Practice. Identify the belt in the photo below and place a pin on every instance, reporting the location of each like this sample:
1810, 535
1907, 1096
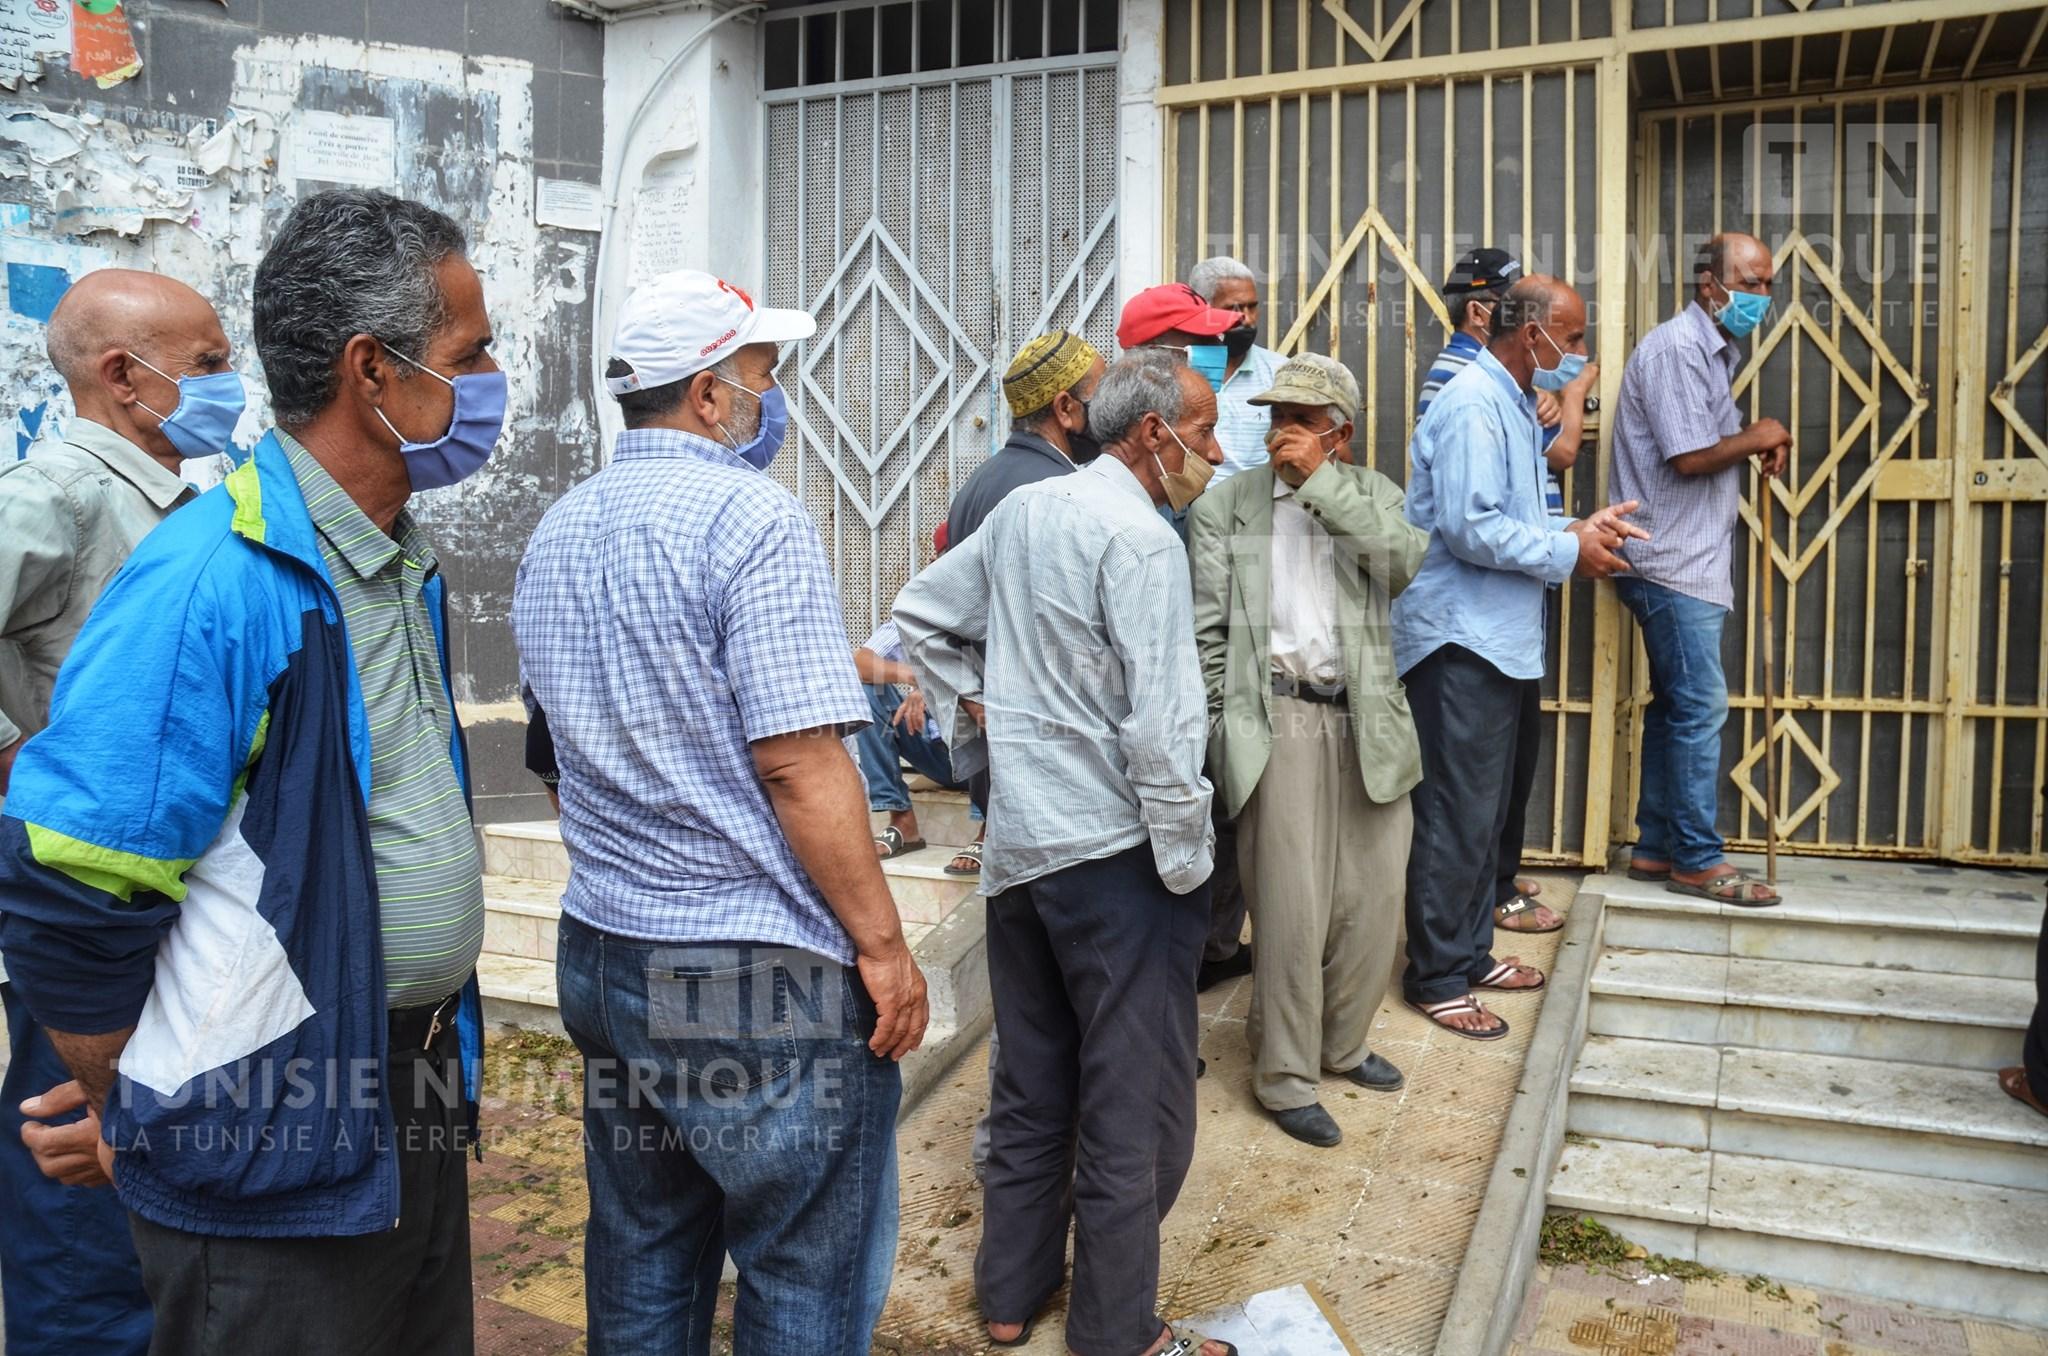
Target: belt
1302, 690
418, 1028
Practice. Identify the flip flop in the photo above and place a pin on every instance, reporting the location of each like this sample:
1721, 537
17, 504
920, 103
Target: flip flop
1515, 908
1436, 1012
1506, 969
892, 843
971, 850
1732, 887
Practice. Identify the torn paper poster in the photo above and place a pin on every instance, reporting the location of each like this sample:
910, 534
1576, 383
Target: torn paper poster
31, 32
342, 148
99, 174
39, 271
102, 44
566, 203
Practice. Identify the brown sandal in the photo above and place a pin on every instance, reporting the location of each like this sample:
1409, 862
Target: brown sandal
2014, 1081
1521, 907
1731, 887
1508, 969
1452, 1007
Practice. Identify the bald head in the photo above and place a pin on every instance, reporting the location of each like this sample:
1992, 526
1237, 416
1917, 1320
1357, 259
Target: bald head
111, 328
1732, 262
1538, 321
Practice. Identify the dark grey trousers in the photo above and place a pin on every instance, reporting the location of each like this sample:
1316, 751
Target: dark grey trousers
1226, 894
1093, 1115
1468, 719
401, 1293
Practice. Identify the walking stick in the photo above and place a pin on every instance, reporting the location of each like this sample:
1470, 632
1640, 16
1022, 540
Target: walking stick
1770, 693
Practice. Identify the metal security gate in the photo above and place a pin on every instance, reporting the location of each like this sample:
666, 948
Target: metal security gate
941, 185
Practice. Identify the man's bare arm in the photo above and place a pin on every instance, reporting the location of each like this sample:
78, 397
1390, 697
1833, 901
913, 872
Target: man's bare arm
822, 806
91, 1060
1762, 438
875, 670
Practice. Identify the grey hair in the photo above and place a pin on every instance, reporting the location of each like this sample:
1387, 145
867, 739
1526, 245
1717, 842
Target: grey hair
1144, 381
641, 408
1209, 275
346, 262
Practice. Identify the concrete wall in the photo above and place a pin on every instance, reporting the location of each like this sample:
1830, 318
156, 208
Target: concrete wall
187, 165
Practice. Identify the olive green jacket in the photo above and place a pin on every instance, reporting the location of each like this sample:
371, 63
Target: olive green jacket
1230, 550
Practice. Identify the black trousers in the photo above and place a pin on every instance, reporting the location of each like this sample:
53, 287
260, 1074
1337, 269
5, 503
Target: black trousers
1092, 1114
2036, 1055
1507, 862
405, 1292
1469, 718
1226, 893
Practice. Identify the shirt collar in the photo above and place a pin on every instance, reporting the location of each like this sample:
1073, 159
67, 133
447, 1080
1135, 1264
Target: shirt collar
1711, 336
635, 443
1464, 345
1120, 476
161, 486
366, 547
1500, 374
1261, 363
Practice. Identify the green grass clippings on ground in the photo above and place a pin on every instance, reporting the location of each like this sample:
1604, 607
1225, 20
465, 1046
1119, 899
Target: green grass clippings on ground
1582, 1241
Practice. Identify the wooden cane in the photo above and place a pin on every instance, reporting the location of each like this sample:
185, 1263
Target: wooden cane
1770, 692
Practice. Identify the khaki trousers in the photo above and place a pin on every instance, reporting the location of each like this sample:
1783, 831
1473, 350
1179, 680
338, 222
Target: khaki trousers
1324, 871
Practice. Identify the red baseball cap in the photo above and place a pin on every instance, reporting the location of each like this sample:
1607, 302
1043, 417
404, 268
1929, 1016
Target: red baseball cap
1171, 306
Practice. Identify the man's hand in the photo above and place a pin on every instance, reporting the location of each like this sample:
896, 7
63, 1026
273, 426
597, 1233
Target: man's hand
1549, 409
976, 710
1771, 445
72, 1153
1297, 454
1577, 389
897, 986
1601, 537
910, 715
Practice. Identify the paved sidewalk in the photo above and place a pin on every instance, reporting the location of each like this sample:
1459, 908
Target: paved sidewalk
1380, 1222
1572, 1311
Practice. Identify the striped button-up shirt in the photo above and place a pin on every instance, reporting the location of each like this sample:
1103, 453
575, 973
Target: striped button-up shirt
1676, 398
1077, 597
1241, 426
670, 611
430, 889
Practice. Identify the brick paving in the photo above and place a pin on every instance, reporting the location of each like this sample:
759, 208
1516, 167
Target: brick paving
1573, 1311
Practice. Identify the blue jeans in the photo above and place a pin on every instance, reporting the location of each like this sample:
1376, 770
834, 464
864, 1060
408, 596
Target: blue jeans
1681, 771
68, 1265
884, 747
730, 1104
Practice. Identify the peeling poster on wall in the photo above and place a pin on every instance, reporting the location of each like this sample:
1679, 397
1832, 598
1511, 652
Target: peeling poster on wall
102, 44
30, 32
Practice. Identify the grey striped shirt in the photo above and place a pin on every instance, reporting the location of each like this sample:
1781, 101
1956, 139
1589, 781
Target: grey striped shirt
1675, 399
429, 875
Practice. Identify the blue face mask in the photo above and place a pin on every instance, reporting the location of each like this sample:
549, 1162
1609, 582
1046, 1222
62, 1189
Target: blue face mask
1743, 312
761, 449
208, 409
1569, 365
472, 430
1211, 361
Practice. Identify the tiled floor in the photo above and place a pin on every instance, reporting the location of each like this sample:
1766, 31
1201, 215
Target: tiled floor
1571, 1311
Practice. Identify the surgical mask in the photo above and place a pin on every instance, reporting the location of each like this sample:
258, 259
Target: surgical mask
473, 429
758, 451
209, 407
1238, 342
1210, 361
1569, 365
1185, 486
1742, 312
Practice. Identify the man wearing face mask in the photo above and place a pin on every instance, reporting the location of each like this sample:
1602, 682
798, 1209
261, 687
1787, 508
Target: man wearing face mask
731, 963
1681, 447
146, 364
1068, 619
265, 899
1241, 422
1295, 564
1468, 636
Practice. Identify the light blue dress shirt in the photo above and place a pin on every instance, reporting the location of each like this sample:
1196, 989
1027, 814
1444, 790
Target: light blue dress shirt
1475, 484
1241, 426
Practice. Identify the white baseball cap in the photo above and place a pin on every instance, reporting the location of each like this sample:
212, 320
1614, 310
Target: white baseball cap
680, 323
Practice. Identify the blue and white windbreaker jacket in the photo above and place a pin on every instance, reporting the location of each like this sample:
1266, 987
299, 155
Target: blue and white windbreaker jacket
186, 849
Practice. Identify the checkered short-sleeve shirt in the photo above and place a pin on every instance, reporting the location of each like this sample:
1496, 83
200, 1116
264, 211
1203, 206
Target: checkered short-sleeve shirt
671, 610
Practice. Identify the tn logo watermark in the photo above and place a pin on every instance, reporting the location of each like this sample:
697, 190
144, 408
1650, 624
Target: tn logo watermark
1880, 167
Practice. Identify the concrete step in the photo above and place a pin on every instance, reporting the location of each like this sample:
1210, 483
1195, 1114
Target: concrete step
1916, 1119
1958, 1021
521, 916
1943, 1244
1980, 924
